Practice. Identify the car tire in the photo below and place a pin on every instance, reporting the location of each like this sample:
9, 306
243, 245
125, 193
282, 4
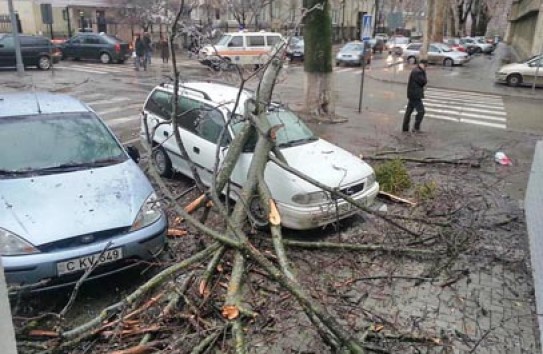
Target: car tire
478, 50
225, 64
337, 63
162, 162
448, 62
44, 62
514, 80
412, 60
105, 58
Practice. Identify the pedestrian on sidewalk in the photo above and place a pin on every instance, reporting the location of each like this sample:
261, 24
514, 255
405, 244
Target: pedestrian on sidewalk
139, 47
164, 50
148, 47
415, 94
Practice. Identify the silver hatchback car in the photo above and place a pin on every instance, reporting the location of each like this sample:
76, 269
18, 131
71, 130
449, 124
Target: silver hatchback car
70, 195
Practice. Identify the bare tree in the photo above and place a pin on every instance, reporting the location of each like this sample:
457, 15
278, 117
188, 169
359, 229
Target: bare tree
247, 12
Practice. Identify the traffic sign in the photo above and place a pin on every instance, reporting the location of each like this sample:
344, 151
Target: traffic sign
365, 32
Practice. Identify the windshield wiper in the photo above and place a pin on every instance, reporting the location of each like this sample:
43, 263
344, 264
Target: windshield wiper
72, 166
298, 141
12, 173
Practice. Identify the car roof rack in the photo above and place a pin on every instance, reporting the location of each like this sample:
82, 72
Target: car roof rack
204, 94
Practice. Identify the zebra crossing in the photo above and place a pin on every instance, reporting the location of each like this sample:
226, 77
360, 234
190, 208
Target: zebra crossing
96, 68
464, 107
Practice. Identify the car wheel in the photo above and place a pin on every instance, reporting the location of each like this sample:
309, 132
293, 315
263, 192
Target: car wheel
105, 58
162, 162
44, 63
225, 64
448, 62
478, 50
337, 63
514, 80
412, 60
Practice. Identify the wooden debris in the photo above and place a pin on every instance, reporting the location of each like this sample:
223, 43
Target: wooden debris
396, 199
274, 217
173, 233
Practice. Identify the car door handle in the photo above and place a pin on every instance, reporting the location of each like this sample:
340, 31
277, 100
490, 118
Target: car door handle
196, 149
166, 134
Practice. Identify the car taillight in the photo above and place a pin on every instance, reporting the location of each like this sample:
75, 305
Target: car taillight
117, 48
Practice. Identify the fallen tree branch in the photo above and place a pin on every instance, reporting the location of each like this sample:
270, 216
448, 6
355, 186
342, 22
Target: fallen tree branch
427, 160
357, 247
396, 199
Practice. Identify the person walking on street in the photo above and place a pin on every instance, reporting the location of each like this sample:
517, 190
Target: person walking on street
148, 47
139, 47
415, 94
164, 50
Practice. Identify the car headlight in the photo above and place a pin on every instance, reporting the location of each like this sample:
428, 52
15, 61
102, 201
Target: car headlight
370, 180
12, 245
310, 198
150, 212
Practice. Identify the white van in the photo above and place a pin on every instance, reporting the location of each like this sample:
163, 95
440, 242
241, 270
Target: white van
240, 48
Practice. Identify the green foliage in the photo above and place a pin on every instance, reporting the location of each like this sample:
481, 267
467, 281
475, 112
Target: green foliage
426, 191
392, 176
318, 38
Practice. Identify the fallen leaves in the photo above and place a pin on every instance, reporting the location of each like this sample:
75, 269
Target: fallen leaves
174, 233
230, 312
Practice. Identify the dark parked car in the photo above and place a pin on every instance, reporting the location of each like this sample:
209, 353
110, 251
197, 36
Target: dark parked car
295, 50
104, 47
35, 50
377, 45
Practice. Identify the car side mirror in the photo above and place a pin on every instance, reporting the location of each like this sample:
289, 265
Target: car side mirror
133, 152
1, 46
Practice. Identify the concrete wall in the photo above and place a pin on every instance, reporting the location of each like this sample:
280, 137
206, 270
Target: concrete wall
25, 8
7, 335
522, 34
526, 27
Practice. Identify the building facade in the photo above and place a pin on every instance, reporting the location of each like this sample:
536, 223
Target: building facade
525, 31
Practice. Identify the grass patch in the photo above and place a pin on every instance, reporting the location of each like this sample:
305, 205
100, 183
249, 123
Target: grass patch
392, 176
426, 191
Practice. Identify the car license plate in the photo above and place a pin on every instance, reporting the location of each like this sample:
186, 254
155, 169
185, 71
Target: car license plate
82, 263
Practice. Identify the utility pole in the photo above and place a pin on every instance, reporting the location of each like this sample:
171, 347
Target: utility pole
15, 31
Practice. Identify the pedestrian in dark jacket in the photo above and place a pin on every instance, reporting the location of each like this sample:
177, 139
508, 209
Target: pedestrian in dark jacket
148, 47
415, 94
139, 47
164, 50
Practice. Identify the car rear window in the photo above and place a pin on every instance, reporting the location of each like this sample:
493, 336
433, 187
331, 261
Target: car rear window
255, 41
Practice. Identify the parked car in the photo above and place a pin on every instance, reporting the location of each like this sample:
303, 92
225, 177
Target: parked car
36, 51
522, 73
396, 44
295, 49
377, 45
69, 192
382, 36
352, 54
455, 44
438, 53
478, 45
206, 107
97, 46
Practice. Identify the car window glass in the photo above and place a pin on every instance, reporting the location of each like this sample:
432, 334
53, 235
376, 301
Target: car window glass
8, 43
102, 40
210, 125
160, 104
45, 141
91, 40
224, 40
75, 40
237, 41
272, 40
190, 114
255, 41
433, 49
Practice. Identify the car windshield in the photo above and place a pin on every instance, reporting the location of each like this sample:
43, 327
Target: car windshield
445, 48
291, 130
352, 47
56, 143
224, 40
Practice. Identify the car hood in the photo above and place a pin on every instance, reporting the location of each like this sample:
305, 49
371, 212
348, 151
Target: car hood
326, 163
44, 209
513, 67
350, 52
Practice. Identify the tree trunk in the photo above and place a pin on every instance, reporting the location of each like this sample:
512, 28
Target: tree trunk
318, 59
439, 21
428, 33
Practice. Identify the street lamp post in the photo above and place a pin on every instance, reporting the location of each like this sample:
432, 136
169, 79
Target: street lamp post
15, 32
343, 20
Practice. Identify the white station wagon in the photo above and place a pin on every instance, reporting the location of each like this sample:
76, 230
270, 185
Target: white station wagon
208, 106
